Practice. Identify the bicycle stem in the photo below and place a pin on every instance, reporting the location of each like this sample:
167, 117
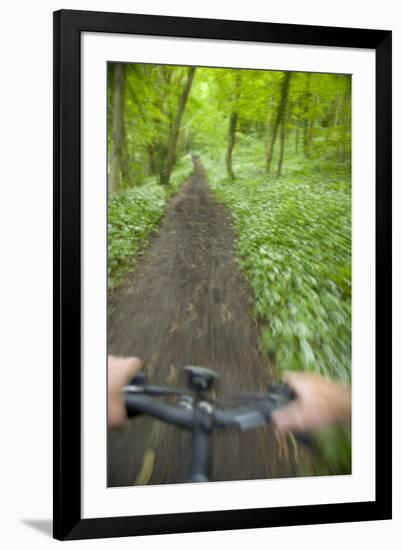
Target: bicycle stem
200, 466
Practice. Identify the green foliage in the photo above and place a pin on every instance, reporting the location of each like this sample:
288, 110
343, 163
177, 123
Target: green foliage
151, 95
318, 111
132, 215
335, 457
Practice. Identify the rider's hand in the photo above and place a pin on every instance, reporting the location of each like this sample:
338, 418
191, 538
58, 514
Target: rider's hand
120, 371
319, 403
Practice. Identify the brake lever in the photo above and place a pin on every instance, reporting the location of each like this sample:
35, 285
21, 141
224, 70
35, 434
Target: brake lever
278, 395
281, 393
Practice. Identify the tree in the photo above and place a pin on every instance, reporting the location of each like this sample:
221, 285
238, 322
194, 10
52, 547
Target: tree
174, 134
231, 143
296, 110
117, 128
233, 119
282, 136
280, 120
306, 122
344, 148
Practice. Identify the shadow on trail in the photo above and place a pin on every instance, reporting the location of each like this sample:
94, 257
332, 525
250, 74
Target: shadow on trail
186, 303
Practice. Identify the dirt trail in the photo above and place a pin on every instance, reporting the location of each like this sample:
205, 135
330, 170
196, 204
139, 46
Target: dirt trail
186, 303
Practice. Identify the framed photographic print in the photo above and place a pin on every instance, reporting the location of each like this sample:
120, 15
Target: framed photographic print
222, 274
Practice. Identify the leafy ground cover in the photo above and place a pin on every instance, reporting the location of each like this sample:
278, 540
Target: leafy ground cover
133, 214
294, 246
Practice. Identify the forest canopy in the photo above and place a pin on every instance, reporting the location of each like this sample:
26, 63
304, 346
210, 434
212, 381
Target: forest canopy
157, 113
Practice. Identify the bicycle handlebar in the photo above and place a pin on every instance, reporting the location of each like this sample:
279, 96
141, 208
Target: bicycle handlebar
145, 404
243, 417
201, 415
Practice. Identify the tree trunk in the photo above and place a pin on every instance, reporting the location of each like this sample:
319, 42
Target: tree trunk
345, 119
332, 117
305, 121
174, 133
337, 110
280, 116
231, 143
268, 125
282, 148
117, 129
298, 123
284, 122
125, 166
310, 136
233, 120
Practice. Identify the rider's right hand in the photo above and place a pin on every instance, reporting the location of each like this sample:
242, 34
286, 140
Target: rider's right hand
318, 403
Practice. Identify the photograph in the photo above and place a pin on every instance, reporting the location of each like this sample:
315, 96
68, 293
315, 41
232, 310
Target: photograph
229, 274
202, 260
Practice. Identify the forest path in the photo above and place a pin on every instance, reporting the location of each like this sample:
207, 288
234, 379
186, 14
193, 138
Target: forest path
186, 303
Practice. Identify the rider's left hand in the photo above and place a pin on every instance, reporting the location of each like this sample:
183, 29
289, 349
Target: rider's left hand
120, 371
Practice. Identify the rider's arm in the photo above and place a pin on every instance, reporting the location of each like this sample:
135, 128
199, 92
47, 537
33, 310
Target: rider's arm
319, 403
120, 371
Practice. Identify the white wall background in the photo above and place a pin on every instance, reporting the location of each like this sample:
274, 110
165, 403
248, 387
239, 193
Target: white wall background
26, 269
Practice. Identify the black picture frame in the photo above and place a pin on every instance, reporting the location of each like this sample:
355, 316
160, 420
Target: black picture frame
68, 26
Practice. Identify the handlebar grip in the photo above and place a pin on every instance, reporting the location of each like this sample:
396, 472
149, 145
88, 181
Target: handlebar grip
144, 404
131, 405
